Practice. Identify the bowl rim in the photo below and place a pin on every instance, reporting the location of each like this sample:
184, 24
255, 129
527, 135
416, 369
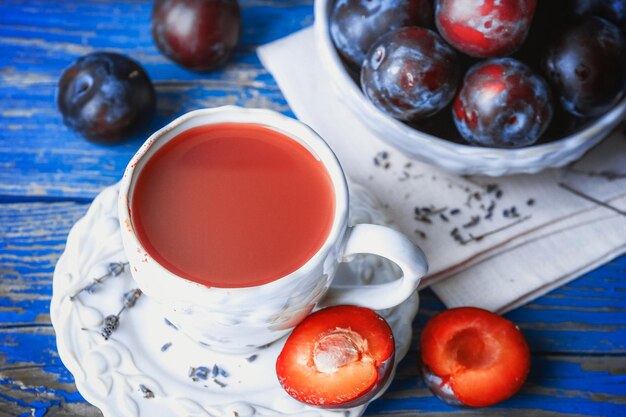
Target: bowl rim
349, 88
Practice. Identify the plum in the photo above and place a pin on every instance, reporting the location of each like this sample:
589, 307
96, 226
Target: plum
586, 65
502, 103
105, 96
356, 24
473, 357
196, 34
484, 28
338, 357
410, 73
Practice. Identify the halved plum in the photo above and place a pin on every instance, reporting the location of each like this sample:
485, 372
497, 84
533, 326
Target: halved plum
338, 357
473, 357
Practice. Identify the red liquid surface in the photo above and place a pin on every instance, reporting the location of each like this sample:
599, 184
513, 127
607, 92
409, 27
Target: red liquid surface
232, 205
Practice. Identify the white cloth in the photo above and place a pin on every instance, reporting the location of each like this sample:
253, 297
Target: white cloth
552, 236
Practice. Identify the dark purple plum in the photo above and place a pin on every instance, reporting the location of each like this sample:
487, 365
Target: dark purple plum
105, 96
410, 73
586, 65
548, 20
613, 10
196, 34
356, 24
502, 103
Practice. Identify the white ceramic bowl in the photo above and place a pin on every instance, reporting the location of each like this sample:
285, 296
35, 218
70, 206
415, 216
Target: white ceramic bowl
454, 157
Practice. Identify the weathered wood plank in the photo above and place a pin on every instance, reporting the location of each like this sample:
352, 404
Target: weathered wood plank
576, 334
39, 156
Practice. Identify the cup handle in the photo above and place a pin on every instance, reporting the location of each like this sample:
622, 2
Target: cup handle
390, 244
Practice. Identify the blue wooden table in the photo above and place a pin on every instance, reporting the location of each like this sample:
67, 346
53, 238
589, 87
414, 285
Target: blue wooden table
48, 177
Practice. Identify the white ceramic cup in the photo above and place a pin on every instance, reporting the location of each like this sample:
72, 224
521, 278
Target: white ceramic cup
237, 320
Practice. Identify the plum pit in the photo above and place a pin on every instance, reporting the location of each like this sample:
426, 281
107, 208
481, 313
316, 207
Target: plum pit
338, 348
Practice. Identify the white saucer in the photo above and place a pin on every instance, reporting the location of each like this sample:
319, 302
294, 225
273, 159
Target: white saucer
147, 367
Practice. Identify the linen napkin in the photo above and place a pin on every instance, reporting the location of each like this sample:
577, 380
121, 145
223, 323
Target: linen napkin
494, 243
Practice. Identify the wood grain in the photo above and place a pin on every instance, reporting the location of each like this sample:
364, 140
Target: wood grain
48, 175
39, 156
